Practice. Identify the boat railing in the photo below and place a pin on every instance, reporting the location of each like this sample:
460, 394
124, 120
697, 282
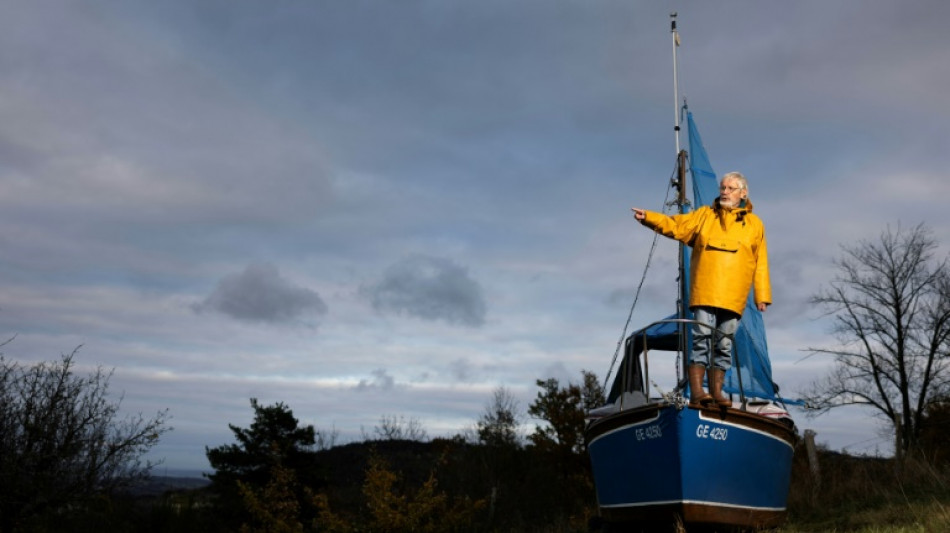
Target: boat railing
713, 340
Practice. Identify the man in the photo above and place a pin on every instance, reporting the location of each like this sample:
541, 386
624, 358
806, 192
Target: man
729, 257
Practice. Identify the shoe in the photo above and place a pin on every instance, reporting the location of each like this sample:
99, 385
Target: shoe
716, 379
697, 396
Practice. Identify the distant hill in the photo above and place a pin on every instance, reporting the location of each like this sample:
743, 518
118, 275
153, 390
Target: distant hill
158, 485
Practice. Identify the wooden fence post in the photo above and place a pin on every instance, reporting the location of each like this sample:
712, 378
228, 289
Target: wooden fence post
812, 455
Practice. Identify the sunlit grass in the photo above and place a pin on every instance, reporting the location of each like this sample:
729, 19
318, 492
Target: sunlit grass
869, 495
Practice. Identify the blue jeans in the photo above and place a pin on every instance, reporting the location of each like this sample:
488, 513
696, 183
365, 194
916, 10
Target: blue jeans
726, 322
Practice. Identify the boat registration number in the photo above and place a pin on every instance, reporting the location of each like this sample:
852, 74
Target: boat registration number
652, 431
705, 431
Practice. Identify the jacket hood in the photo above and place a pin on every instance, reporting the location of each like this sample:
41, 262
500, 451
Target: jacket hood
745, 207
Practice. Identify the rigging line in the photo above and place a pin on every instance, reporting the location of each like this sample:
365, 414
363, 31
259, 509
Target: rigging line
636, 297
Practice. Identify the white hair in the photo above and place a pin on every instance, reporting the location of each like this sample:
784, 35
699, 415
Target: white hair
743, 183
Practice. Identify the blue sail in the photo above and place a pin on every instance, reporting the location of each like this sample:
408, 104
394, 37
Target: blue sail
751, 354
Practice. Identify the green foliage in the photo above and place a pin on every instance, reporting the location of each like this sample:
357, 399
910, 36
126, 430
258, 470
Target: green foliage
561, 441
275, 442
62, 445
273, 438
564, 409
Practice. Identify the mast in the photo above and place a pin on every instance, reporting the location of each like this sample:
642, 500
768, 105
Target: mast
681, 201
676, 103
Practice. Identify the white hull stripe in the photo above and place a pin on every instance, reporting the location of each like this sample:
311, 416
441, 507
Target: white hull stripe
626, 427
694, 502
746, 428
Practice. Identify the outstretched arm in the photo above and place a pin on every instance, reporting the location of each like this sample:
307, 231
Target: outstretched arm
679, 227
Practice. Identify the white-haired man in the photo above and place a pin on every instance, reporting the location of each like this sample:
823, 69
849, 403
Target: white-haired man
729, 258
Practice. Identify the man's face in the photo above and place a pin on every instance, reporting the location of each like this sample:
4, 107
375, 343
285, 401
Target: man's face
730, 194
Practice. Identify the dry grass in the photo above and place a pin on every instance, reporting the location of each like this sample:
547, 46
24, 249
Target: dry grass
868, 495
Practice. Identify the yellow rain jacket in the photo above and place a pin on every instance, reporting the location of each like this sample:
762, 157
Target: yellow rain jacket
729, 253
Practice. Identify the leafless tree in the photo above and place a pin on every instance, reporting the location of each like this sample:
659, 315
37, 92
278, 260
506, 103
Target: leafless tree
392, 427
500, 424
62, 441
891, 307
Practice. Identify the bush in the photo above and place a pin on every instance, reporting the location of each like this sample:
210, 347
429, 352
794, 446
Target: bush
62, 447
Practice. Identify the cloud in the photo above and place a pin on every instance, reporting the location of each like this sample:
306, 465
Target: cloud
261, 294
431, 288
462, 369
144, 144
381, 380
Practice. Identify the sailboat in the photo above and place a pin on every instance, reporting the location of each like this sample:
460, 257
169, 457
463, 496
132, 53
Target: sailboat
657, 459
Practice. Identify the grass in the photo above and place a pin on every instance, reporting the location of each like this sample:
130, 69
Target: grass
920, 517
868, 495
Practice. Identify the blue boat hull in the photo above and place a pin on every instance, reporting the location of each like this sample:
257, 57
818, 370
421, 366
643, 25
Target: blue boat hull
715, 466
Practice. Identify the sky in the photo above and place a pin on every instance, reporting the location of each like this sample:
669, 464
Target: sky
370, 209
